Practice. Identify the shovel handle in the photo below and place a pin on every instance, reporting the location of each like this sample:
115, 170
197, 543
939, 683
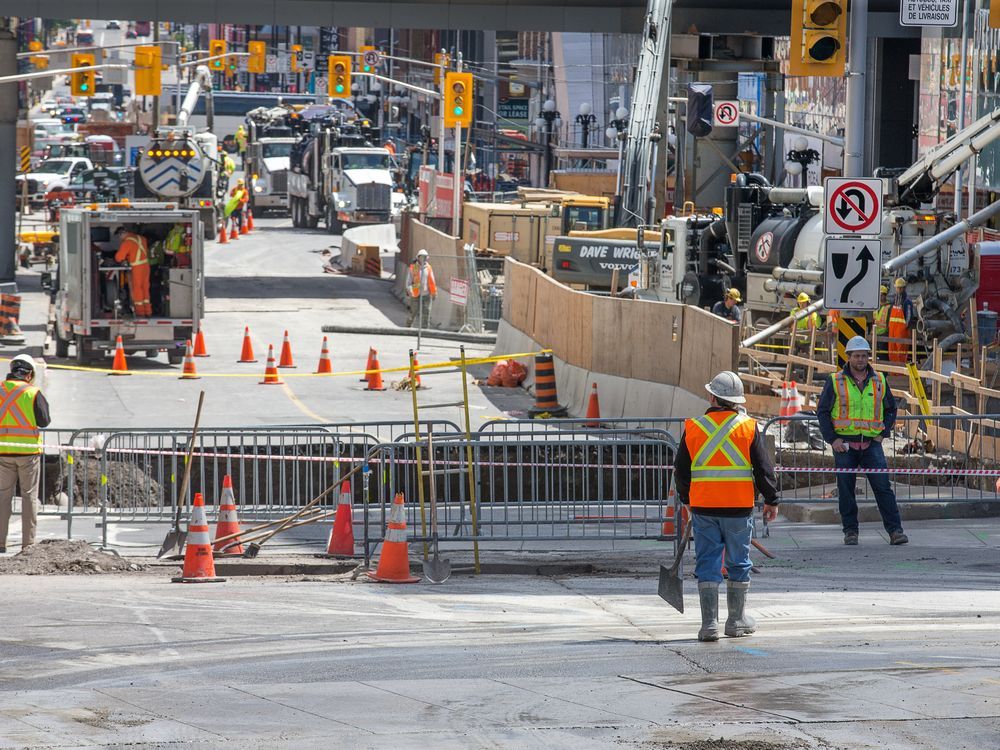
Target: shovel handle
187, 460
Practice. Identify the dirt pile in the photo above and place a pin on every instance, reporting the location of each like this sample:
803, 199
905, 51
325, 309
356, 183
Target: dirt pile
61, 556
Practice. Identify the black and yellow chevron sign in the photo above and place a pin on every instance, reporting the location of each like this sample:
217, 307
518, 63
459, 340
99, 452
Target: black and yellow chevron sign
25, 163
847, 329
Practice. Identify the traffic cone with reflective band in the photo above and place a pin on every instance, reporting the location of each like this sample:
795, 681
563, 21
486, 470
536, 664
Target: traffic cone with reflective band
794, 399
286, 353
324, 367
593, 408
249, 220
223, 239
416, 371
199, 566
368, 365
189, 372
233, 234
546, 398
394, 562
228, 522
789, 400
375, 376
668, 523
118, 367
341, 542
271, 376
247, 354
199, 344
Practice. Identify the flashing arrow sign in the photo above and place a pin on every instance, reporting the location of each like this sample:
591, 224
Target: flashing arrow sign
853, 206
851, 274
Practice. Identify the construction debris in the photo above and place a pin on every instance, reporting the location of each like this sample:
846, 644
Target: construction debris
63, 556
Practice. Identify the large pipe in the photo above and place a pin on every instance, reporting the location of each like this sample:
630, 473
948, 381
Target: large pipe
813, 275
784, 323
791, 287
202, 81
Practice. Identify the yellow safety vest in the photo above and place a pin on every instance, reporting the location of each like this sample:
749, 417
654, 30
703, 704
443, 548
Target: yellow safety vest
809, 321
882, 320
855, 412
721, 472
19, 432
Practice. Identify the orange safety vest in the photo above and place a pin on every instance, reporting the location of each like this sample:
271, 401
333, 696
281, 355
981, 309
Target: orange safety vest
415, 280
133, 249
898, 330
19, 432
721, 472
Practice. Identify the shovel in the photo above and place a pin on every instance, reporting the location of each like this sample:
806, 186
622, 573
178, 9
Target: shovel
436, 570
173, 543
671, 588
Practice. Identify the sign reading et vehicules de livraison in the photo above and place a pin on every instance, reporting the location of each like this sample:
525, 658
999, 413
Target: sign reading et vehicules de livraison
928, 12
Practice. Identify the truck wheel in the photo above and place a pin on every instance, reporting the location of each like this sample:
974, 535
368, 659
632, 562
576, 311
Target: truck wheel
210, 229
175, 355
62, 346
82, 355
293, 209
311, 221
333, 226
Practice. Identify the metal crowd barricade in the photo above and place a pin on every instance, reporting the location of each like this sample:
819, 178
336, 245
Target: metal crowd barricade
568, 489
935, 459
672, 425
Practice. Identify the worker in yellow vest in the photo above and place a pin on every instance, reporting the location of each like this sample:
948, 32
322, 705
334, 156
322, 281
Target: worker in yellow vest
856, 413
720, 467
23, 413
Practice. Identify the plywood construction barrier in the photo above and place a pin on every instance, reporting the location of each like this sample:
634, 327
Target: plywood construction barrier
659, 342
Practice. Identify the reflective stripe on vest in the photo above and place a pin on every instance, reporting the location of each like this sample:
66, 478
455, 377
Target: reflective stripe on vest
858, 414
19, 432
721, 471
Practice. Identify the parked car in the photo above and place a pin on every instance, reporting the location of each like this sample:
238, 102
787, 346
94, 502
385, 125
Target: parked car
112, 25
54, 174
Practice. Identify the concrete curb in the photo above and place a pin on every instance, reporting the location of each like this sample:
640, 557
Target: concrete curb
471, 338
827, 513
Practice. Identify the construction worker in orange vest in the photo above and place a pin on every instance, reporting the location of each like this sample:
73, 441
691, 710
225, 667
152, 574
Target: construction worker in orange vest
135, 249
721, 465
23, 412
900, 320
422, 290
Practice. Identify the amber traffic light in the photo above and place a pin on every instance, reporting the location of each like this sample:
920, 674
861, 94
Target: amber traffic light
82, 82
458, 100
217, 49
339, 75
148, 61
257, 62
819, 38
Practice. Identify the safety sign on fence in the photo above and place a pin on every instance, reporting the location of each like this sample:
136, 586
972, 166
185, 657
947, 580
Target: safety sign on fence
853, 205
459, 292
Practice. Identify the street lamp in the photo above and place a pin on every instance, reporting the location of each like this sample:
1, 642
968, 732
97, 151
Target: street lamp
548, 117
799, 158
586, 120
617, 130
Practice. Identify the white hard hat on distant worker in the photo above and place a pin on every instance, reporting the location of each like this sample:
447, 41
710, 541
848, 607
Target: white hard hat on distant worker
858, 344
727, 386
422, 252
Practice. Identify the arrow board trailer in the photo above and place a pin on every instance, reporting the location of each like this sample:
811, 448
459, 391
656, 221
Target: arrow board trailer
852, 274
93, 305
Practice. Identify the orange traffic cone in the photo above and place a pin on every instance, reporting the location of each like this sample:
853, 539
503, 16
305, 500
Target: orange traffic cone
249, 219
416, 371
199, 566
324, 367
394, 562
271, 376
223, 239
341, 542
233, 234
244, 229
368, 365
668, 522
189, 372
375, 376
228, 522
118, 367
789, 400
593, 408
247, 354
286, 353
199, 344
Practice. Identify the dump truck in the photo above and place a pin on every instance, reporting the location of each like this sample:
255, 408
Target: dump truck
92, 301
269, 146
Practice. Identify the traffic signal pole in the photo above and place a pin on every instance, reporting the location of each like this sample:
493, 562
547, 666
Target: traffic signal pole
857, 64
8, 166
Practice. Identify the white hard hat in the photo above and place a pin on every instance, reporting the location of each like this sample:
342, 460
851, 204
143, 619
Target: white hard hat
728, 387
858, 344
422, 252
22, 358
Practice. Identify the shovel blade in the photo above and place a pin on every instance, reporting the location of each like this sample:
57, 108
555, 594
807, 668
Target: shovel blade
671, 588
173, 544
437, 570
251, 551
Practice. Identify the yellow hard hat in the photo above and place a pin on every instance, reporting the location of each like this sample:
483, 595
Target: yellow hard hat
883, 289
240, 182
734, 294
803, 297
900, 282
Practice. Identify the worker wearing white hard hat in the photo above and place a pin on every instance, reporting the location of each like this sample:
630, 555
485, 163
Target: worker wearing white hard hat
720, 466
856, 413
422, 290
24, 412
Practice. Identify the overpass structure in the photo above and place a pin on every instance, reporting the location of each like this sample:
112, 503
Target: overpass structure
770, 17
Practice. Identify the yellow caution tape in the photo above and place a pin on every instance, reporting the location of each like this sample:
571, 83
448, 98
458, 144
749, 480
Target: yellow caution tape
406, 368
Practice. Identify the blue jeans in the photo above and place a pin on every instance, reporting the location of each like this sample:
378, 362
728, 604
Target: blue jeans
712, 534
871, 457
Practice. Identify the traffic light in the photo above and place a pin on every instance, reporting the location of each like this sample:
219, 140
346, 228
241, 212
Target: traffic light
217, 49
338, 75
458, 100
39, 61
366, 48
148, 67
232, 66
819, 38
82, 81
699, 109
296, 57
440, 58
257, 62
